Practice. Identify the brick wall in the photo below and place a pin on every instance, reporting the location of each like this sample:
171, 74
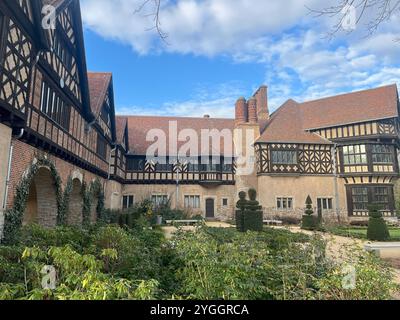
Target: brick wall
24, 155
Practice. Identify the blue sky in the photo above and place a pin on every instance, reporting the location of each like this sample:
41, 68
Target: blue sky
219, 50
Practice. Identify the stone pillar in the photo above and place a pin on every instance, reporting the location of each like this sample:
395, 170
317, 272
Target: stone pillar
5, 143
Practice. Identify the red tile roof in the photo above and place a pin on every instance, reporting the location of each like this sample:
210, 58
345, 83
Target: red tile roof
361, 106
286, 126
139, 127
120, 125
98, 86
292, 121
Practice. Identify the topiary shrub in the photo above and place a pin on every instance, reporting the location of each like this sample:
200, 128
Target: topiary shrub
253, 216
309, 222
241, 206
377, 228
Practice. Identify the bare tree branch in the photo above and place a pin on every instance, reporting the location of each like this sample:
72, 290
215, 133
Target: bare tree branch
380, 11
155, 13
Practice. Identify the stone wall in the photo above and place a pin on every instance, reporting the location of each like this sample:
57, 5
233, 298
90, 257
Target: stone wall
142, 192
298, 188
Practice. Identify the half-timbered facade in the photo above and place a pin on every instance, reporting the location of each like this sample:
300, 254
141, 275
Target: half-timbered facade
60, 139
51, 111
340, 150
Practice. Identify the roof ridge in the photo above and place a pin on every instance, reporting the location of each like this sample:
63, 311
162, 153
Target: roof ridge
176, 117
348, 93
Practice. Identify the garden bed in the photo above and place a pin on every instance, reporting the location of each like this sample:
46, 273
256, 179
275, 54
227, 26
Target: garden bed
361, 232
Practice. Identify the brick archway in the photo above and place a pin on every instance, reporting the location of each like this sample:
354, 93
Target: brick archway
41, 207
75, 207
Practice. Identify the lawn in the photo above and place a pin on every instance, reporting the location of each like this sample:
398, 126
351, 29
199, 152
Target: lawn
361, 232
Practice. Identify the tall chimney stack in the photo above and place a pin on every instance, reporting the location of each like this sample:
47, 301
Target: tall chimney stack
241, 113
262, 103
252, 107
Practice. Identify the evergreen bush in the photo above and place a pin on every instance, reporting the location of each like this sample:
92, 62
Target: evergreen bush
309, 222
377, 228
241, 206
249, 216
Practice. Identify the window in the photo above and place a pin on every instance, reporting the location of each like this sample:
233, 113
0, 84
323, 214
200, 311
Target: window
373, 194
62, 53
105, 115
360, 198
127, 202
101, 146
381, 197
284, 203
54, 106
325, 203
382, 154
159, 200
284, 157
225, 202
192, 202
354, 154
164, 167
135, 164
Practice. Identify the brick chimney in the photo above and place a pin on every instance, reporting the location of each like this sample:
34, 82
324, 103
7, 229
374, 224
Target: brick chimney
262, 103
241, 112
252, 107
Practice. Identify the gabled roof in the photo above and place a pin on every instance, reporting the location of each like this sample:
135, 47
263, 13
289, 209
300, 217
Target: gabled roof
361, 106
286, 126
120, 124
139, 126
99, 83
293, 121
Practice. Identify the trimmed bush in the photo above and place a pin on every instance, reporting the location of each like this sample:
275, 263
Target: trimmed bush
377, 228
239, 216
253, 216
309, 222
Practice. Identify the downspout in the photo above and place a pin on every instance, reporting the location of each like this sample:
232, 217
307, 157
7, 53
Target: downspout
335, 173
9, 169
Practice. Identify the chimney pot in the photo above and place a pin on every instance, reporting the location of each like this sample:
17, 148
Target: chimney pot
241, 112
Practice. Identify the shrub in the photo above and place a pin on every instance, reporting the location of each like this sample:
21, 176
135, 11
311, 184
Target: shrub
377, 228
309, 222
239, 214
361, 223
249, 217
286, 220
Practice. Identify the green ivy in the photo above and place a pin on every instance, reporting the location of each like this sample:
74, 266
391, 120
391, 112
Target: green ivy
96, 191
14, 216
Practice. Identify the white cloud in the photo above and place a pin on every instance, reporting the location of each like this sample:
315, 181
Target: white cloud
217, 102
276, 34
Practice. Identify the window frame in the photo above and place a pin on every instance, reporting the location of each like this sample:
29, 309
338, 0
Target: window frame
159, 203
128, 204
282, 161
370, 197
328, 201
281, 207
358, 152
388, 152
227, 202
191, 201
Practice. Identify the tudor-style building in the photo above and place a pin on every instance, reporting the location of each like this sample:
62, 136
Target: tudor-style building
340, 150
60, 140
52, 112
